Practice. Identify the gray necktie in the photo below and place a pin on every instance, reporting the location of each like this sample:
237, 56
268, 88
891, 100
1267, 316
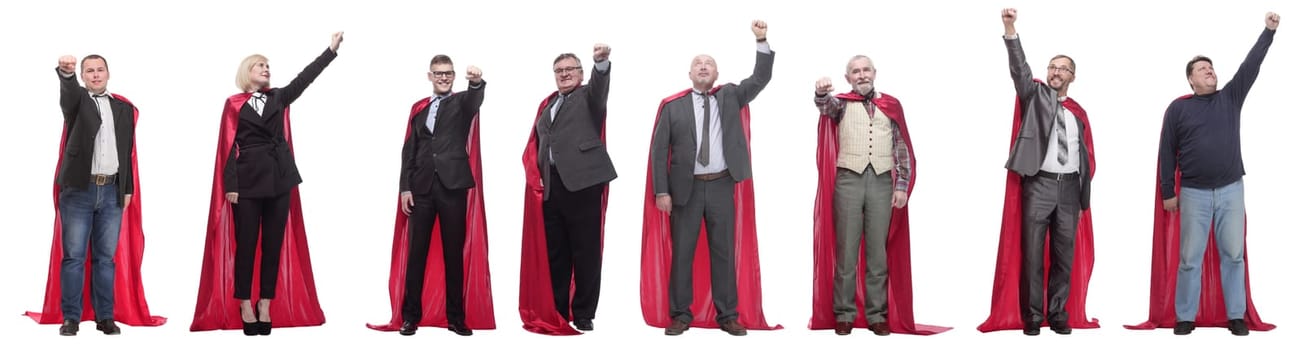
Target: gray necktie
703, 156
1060, 127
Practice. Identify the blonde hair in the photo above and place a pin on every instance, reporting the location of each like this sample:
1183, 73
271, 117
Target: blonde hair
242, 78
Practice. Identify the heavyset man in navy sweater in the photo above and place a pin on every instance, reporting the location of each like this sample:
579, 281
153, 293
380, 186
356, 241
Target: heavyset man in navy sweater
1200, 138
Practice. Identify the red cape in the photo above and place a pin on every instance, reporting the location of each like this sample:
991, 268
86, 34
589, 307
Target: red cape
1166, 264
537, 307
477, 289
1005, 312
296, 303
129, 305
657, 251
900, 274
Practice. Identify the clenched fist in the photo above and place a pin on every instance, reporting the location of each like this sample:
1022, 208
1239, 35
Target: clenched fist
1272, 20
600, 52
1009, 15
823, 86
68, 64
335, 39
474, 75
760, 29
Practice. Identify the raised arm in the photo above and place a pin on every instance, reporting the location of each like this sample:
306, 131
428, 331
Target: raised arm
291, 92
474, 95
599, 83
828, 105
751, 86
1247, 74
1023, 81
70, 92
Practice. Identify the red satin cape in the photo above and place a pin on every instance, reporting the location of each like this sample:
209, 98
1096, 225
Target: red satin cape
537, 307
129, 305
476, 284
1005, 311
1166, 264
657, 252
899, 294
296, 303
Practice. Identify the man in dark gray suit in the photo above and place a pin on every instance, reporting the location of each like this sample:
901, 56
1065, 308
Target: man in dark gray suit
1053, 159
575, 169
699, 136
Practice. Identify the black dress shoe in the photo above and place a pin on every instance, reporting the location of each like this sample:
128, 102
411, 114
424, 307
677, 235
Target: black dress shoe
1061, 328
1184, 327
678, 327
69, 328
460, 329
408, 328
1031, 329
108, 327
1238, 327
583, 324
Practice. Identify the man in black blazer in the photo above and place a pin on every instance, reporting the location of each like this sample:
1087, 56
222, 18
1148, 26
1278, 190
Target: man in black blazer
95, 183
703, 133
435, 177
1052, 157
575, 170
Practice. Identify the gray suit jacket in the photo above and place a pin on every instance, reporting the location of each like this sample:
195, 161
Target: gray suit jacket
1039, 104
675, 134
574, 137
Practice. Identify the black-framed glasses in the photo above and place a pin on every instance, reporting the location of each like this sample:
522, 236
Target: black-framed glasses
570, 69
443, 73
1053, 68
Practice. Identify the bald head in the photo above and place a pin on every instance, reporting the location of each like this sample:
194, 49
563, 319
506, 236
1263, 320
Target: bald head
861, 74
703, 72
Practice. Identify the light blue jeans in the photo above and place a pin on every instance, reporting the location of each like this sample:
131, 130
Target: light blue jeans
91, 219
1200, 209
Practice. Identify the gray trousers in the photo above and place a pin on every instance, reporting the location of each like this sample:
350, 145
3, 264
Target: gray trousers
863, 213
1049, 208
711, 201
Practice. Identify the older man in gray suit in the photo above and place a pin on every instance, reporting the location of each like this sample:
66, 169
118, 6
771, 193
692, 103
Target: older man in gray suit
575, 169
703, 133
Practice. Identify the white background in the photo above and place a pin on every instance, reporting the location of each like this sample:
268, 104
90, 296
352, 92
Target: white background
943, 59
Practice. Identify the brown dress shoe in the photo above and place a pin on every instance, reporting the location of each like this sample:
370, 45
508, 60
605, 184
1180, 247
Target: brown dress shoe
732, 327
880, 328
843, 328
678, 327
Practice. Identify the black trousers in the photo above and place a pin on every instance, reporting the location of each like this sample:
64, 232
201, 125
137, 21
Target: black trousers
711, 201
1049, 207
448, 207
573, 224
253, 216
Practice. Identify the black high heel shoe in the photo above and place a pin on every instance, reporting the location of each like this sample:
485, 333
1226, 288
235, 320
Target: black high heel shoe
250, 328
263, 328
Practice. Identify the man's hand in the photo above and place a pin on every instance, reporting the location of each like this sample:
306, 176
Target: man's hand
474, 75
900, 199
823, 86
600, 52
1009, 15
68, 64
335, 39
760, 29
1171, 204
233, 197
407, 202
664, 203
1272, 20
126, 201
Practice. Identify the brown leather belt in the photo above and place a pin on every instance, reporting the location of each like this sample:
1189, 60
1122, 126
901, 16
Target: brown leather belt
711, 177
101, 180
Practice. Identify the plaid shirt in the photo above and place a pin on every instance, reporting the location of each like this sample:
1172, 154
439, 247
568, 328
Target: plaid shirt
832, 107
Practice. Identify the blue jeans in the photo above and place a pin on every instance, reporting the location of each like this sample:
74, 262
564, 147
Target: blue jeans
1199, 210
91, 219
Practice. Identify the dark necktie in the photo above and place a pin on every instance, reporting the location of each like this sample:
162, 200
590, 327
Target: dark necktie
433, 112
1060, 127
259, 101
703, 156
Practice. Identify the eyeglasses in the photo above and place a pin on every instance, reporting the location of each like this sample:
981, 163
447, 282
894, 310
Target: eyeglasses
444, 74
1053, 68
570, 69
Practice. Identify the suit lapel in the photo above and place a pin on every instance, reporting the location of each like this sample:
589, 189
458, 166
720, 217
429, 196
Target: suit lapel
687, 108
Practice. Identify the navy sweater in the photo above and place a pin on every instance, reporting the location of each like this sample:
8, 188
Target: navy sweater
1200, 133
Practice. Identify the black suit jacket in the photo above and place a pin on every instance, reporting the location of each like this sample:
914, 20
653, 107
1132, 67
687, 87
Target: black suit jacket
1039, 104
81, 121
574, 137
443, 151
261, 164
676, 133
